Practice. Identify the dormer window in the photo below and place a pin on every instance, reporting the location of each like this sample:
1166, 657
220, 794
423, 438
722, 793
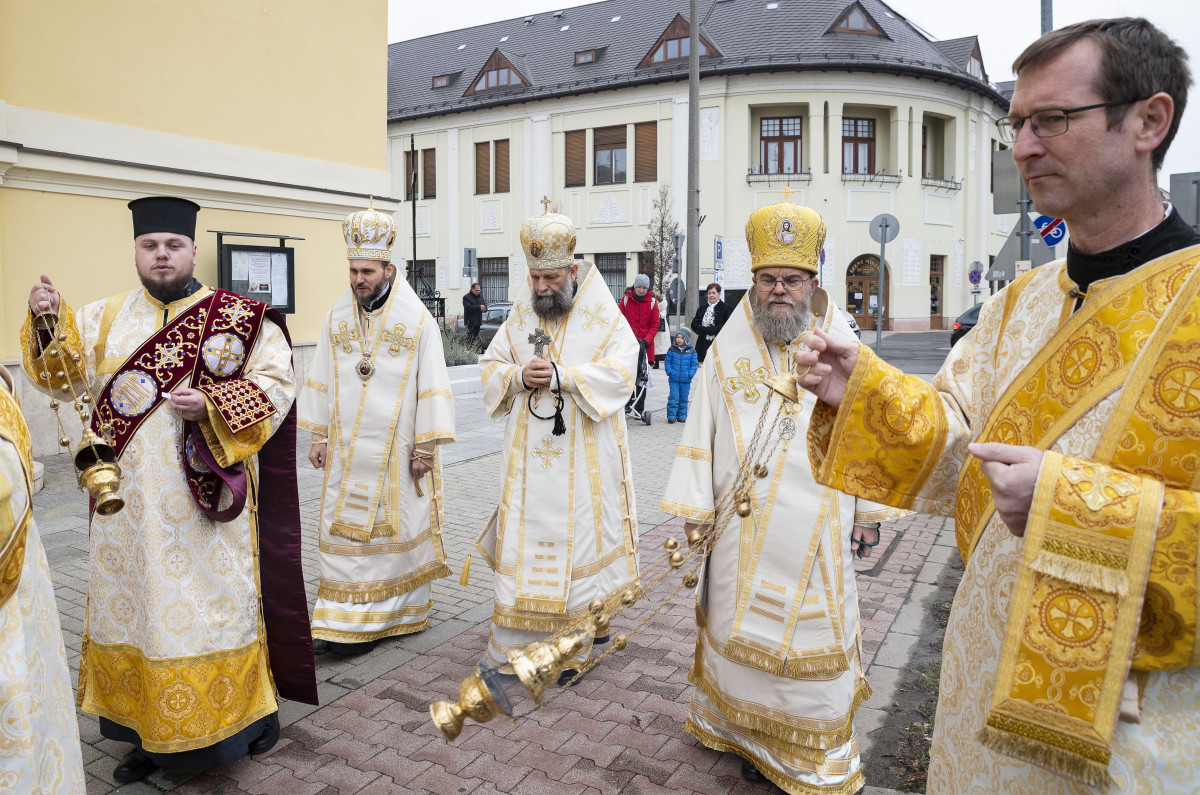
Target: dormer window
672, 49
585, 56
855, 19
441, 81
975, 68
498, 77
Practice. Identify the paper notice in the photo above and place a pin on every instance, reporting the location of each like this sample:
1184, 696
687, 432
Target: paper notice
279, 279
260, 271
240, 266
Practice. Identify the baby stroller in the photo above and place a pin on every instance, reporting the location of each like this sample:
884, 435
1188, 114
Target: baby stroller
635, 409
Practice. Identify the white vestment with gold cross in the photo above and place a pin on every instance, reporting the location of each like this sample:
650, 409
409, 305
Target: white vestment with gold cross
777, 670
380, 540
565, 531
173, 596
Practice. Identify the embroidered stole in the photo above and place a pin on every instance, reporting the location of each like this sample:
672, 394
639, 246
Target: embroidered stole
14, 532
784, 624
366, 413
1077, 604
546, 502
205, 346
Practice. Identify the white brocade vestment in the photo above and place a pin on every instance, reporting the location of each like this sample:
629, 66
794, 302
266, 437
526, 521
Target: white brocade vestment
565, 531
380, 541
174, 647
39, 735
777, 671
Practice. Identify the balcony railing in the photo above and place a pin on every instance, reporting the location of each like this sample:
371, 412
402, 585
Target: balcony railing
941, 184
878, 178
755, 175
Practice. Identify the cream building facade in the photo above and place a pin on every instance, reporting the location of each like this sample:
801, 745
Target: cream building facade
872, 118
269, 114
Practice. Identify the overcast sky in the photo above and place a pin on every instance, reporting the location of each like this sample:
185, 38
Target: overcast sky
1003, 31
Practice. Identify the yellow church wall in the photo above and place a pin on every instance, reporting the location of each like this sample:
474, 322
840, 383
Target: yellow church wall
304, 78
85, 245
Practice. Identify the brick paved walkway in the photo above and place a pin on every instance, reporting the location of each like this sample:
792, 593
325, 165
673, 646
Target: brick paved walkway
617, 730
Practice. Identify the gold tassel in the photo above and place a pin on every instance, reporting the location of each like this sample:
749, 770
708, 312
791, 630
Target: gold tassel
1082, 573
465, 577
352, 533
342, 636
1090, 772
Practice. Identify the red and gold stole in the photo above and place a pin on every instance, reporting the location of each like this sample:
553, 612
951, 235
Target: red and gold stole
1094, 526
206, 346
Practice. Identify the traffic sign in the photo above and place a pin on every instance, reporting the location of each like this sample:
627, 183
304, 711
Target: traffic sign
719, 249
975, 276
884, 228
1052, 229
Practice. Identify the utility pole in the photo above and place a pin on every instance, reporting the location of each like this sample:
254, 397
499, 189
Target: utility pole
692, 282
1026, 232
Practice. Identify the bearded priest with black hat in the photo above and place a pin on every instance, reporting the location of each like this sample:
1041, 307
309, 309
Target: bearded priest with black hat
188, 640
378, 404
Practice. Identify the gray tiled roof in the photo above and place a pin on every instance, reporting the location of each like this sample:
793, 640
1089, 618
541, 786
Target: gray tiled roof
749, 36
957, 51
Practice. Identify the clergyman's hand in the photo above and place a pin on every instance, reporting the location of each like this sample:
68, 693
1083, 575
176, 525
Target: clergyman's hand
538, 373
189, 403
1012, 471
317, 453
43, 297
824, 369
864, 539
419, 468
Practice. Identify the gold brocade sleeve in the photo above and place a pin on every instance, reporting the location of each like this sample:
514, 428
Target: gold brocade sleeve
50, 373
227, 446
884, 442
1167, 635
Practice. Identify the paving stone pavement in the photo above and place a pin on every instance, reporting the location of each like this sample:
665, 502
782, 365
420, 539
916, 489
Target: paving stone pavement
616, 730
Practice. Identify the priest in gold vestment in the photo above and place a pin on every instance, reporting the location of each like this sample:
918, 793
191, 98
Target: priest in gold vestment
777, 671
1063, 434
39, 736
187, 636
560, 372
377, 401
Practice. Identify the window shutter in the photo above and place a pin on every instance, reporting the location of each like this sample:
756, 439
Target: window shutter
609, 136
646, 163
429, 173
483, 167
409, 192
502, 166
576, 165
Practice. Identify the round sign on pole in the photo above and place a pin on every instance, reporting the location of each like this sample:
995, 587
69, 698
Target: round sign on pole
884, 228
1052, 230
975, 276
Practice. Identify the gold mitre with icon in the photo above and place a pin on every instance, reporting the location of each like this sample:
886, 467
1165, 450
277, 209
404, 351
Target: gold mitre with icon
785, 235
369, 234
548, 241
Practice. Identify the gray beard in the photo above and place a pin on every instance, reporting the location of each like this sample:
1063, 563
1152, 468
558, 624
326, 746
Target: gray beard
780, 329
557, 305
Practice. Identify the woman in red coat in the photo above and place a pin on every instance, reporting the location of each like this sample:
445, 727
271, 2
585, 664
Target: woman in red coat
641, 311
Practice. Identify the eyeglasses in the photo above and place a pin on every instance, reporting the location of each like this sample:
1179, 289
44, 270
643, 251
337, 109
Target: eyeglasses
766, 283
1048, 123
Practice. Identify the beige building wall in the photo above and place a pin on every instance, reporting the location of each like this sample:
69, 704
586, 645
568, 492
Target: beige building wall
949, 218
269, 114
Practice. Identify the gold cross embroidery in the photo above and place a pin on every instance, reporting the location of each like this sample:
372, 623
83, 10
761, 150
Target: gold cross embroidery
519, 314
345, 336
545, 204
396, 339
236, 313
225, 353
547, 453
595, 316
169, 354
1098, 492
746, 379
786, 193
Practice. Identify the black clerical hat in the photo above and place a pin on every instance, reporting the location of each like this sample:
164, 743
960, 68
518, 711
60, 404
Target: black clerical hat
164, 214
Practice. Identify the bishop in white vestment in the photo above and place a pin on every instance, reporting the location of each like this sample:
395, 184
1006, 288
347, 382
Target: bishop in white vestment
39, 736
558, 370
777, 670
377, 401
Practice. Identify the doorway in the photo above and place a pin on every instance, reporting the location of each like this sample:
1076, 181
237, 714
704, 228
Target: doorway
862, 291
937, 267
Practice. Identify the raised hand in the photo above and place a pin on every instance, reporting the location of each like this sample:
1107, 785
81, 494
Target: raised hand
1012, 471
43, 297
824, 369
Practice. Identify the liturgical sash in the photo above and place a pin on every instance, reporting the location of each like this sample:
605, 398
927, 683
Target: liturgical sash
364, 429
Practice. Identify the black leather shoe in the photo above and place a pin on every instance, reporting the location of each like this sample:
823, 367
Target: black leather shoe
600, 641
352, 649
750, 772
566, 676
320, 646
134, 767
266, 741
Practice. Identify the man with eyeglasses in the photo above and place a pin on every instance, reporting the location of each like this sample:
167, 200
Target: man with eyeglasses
1064, 436
778, 676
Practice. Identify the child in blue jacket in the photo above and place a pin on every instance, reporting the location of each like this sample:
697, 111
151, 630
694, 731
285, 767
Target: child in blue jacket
680, 365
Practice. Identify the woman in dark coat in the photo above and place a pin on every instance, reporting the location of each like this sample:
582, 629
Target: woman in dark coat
710, 319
